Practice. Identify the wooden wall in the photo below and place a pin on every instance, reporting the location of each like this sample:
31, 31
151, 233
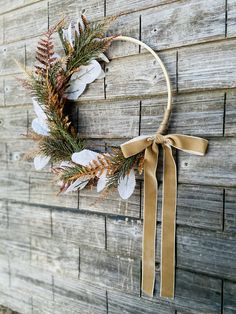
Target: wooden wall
78, 254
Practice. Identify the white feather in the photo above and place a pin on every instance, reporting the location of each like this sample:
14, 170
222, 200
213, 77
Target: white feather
78, 184
69, 35
41, 161
84, 157
126, 185
75, 90
102, 75
104, 57
38, 109
40, 127
102, 181
65, 164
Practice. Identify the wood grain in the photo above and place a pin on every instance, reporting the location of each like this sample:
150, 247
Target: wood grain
14, 186
230, 210
207, 66
27, 22
138, 76
94, 9
163, 27
122, 6
12, 5
115, 272
231, 21
198, 114
81, 229
230, 114
229, 297
217, 167
9, 55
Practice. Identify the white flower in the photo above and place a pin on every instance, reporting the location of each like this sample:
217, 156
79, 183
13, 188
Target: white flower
39, 125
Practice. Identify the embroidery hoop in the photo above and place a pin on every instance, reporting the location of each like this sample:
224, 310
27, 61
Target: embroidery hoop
166, 117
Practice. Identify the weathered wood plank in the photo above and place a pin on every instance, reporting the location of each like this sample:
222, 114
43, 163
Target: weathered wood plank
55, 256
1, 30
3, 215
44, 190
122, 6
73, 226
109, 119
14, 122
10, 53
163, 27
94, 9
217, 167
207, 66
12, 5
90, 200
122, 303
28, 219
139, 76
231, 21
16, 300
14, 186
106, 270
206, 251
5, 272
194, 293
73, 296
26, 22
230, 114
3, 156
2, 102
14, 92
230, 210
195, 114
229, 302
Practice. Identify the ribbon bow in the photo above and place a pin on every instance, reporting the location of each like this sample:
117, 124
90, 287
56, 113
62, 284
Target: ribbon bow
150, 144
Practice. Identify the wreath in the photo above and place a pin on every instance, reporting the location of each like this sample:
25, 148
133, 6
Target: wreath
57, 81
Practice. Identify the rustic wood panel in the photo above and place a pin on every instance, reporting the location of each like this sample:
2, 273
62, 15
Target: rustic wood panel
163, 27
94, 9
29, 220
9, 55
198, 114
194, 293
12, 5
94, 120
2, 102
44, 191
229, 298
74, 226
90, 200
217, 167
148, 79
207, 66
231, 21
3, 156
199, 250
113, 272
230, 210
73, 296
14, 186
55, 256
230, 114
122, 6
1, 30
27, 22
14, 92
3, 215
121, 303
14, 122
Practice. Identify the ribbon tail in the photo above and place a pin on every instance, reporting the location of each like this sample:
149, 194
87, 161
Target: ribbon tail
150, 219
168, 225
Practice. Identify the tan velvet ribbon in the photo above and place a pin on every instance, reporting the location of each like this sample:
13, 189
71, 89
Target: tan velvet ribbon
190, 144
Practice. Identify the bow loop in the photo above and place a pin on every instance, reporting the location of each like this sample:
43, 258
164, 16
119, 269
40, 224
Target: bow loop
190, 144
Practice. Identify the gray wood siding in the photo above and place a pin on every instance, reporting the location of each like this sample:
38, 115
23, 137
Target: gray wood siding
80, 253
